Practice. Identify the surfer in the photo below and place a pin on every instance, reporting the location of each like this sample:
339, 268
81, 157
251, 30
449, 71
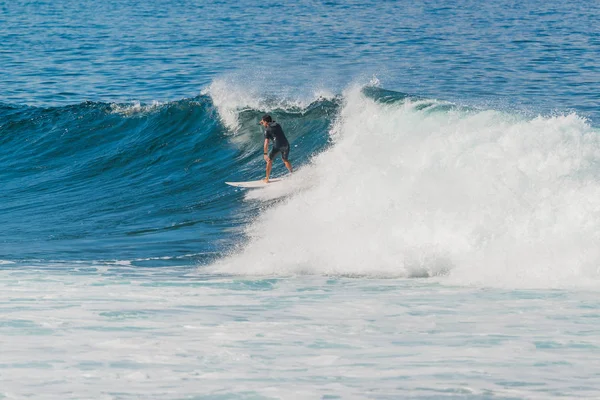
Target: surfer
281, 145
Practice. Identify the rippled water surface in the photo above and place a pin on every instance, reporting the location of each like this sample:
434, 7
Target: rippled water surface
535, 54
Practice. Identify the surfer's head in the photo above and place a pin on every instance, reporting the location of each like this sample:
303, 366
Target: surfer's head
266, 119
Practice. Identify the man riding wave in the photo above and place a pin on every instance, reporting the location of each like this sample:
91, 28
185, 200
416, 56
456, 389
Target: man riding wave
274, 133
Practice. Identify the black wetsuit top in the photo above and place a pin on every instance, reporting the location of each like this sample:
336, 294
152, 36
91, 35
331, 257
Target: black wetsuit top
274, 132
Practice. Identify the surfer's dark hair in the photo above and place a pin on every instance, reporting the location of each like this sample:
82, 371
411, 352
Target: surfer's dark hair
267, 118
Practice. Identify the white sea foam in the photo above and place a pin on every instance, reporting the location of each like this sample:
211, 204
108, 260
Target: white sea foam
134, 108
232, 95
477, 197
161, 335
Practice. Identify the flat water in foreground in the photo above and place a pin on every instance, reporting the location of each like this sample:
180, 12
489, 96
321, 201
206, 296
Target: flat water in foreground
165, 333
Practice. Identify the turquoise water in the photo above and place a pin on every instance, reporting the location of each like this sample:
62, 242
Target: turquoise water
439, 238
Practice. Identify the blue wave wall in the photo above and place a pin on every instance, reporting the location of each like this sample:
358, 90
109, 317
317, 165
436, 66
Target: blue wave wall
98, 181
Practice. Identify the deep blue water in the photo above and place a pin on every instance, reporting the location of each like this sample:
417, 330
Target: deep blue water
89, 182
112, 148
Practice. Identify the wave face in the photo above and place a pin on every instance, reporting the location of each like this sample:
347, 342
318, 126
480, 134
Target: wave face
387, 184
98, 181
419, 188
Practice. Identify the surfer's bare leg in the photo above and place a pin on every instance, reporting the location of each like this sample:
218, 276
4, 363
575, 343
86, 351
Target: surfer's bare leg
288, 165
268, 172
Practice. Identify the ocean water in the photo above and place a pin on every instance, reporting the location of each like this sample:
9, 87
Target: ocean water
439, 238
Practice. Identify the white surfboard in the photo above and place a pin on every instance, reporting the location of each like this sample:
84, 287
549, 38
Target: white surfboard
253, 184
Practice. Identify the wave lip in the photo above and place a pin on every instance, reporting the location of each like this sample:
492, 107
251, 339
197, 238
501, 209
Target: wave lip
232, 99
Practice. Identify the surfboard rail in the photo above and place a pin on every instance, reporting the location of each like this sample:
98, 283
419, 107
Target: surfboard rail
253, 184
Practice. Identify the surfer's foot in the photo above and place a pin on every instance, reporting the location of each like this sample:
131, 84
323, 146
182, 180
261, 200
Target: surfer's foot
266, 180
